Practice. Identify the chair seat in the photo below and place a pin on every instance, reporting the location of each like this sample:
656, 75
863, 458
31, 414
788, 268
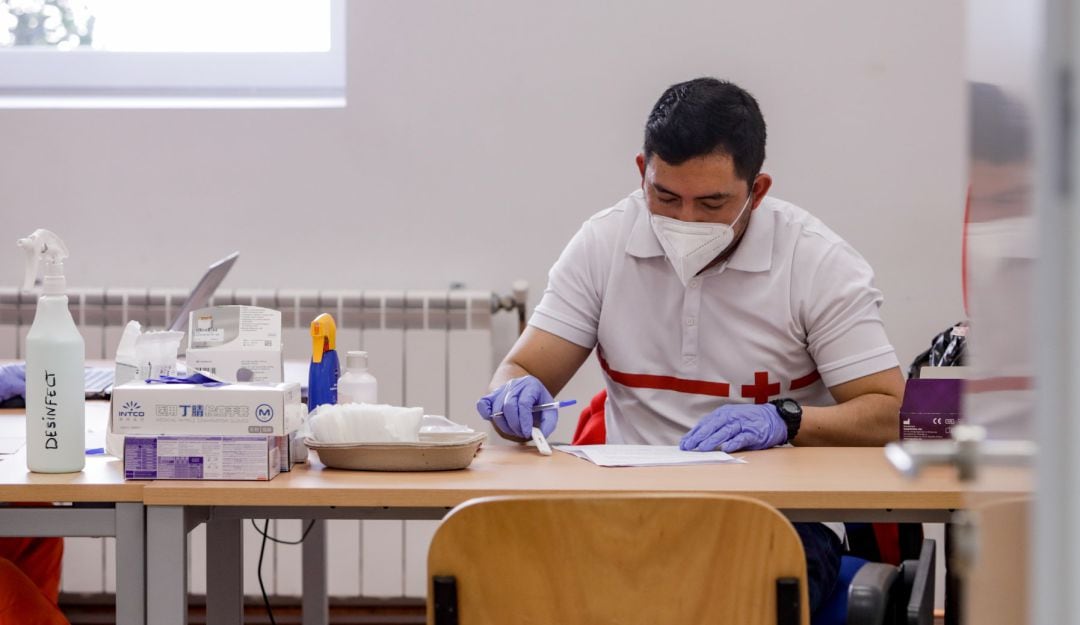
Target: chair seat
834, 610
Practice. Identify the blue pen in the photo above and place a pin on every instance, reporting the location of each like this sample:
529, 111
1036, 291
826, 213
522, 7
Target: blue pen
95, 450
543, 407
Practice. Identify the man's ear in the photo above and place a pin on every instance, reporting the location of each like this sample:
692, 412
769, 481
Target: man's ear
760, 188
641, 167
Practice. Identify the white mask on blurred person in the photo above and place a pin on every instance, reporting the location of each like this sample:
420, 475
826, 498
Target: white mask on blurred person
691, 246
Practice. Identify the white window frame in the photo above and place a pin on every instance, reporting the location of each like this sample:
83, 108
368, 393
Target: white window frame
91, 78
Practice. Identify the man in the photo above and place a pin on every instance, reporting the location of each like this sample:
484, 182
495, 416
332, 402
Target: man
30, 581
723, 318
29, 567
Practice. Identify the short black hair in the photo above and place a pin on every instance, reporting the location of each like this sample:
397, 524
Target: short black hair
703, 116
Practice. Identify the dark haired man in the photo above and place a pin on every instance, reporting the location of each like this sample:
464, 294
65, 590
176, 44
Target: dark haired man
723, 318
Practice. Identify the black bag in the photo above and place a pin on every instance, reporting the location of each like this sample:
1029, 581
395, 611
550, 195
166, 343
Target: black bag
946, 350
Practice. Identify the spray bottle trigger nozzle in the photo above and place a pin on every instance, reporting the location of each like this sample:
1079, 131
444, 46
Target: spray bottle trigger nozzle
44, 244
29, 248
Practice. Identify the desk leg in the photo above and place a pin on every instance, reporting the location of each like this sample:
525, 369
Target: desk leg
166, 565
316, 605
224, 571
130, 563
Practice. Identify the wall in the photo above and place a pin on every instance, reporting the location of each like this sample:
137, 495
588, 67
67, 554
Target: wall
478, 135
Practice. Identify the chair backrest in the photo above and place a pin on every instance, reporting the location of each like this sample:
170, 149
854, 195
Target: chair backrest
622, 559
920, 605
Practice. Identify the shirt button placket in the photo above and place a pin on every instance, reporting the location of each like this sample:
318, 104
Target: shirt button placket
691, 308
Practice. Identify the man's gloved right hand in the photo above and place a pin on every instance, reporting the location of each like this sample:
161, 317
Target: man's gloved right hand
515, 401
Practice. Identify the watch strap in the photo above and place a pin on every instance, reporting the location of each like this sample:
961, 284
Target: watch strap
793, 419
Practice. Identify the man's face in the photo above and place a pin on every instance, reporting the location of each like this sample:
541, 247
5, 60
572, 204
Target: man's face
702, 189
1000, 191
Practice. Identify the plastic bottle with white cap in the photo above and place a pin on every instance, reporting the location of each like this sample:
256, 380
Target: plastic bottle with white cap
55, 352
357, 385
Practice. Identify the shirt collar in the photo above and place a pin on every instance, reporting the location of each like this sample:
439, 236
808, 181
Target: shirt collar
753, 254
643, 242
755, 250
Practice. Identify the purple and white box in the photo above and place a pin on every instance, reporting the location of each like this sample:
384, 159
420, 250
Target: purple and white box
202, 457
931, 408
140, 407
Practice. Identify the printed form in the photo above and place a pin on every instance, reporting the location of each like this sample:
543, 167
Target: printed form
646, 455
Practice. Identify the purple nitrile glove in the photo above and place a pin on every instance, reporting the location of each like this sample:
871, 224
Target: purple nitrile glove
12, 380
734, 427
197, 378
515, 400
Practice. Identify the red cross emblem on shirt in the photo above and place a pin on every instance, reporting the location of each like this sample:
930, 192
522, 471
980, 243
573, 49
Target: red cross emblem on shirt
761, 389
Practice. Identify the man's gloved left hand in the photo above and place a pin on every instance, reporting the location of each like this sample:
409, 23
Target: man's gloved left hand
12, 381
734, 427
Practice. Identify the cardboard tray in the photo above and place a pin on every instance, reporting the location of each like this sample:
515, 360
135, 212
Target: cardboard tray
442, 454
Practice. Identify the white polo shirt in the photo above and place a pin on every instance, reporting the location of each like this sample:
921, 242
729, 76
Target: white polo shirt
792, 312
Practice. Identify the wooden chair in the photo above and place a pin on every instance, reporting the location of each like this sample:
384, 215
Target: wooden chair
618, 559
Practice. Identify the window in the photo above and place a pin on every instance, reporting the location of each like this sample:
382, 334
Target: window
194, 51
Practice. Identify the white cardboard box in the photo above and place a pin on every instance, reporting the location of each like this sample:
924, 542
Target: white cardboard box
202, 457
236, 343
230, 410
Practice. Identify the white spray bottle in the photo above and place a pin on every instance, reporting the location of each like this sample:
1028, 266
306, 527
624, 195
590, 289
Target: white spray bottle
55, 353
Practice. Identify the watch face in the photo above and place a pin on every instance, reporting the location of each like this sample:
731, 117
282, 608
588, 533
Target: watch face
791, 406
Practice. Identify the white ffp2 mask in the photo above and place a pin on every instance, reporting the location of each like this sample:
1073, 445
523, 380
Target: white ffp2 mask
691, 246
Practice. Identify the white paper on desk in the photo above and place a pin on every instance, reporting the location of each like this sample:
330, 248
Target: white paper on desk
646, 455
11, 444
95, 438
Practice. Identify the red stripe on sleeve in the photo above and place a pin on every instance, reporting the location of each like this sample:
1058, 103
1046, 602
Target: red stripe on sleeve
806, 380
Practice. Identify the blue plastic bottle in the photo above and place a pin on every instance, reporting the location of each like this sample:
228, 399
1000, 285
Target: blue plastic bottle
325, 370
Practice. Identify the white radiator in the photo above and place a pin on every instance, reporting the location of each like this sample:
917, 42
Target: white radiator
427, 348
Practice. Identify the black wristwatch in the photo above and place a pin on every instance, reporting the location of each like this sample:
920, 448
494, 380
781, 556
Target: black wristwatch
791, 412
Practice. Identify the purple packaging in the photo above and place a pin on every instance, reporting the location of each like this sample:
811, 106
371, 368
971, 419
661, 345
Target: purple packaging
930, 409
201, 457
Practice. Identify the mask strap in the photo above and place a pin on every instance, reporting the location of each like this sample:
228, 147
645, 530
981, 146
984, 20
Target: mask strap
749, 199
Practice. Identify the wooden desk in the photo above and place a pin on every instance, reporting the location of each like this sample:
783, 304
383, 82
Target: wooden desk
98, 502
808, 483
820, 484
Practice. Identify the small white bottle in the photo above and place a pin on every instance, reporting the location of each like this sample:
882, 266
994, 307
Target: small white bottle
357, 385
55, 396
